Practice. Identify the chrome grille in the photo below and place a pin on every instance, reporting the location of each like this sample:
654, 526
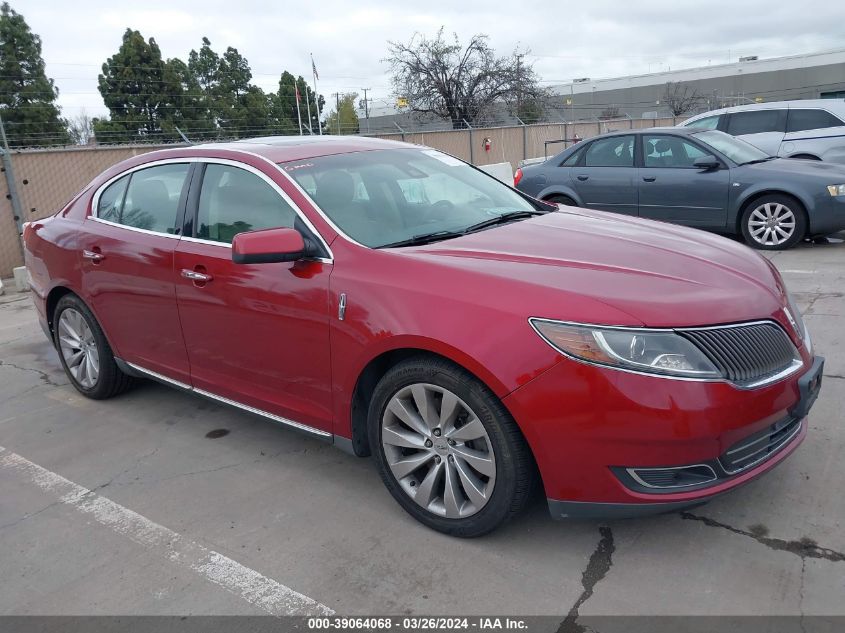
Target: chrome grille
745, 353
757, 447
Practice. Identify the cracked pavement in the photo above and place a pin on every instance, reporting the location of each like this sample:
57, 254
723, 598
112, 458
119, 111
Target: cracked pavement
320, 521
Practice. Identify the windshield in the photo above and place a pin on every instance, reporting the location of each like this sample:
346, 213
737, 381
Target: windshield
737, 150
384, 197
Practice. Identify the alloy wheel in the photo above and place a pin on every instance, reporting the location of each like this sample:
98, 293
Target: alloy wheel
438, 450
79, 348
771, 224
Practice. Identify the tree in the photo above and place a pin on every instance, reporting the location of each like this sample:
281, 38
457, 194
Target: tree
143, 92
680, 98
27, 96
81, 128
343, 119
285, 104
443, 78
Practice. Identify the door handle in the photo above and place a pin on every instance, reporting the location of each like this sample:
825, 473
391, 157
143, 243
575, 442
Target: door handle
582, 177
196, 276
649, 178
94, 256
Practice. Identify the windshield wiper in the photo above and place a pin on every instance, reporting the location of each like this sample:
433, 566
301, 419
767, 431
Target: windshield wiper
424, 238
759, 160
503, 219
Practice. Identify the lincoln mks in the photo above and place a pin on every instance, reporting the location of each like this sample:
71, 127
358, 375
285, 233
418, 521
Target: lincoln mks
397, 302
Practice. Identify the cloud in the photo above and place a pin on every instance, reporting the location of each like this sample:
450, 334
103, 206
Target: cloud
603, 38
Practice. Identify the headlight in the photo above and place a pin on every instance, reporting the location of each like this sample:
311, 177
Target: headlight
649, 351
800, 327
836, 190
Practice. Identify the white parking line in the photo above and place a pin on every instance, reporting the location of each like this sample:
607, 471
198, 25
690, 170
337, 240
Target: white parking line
799, 272
265, 593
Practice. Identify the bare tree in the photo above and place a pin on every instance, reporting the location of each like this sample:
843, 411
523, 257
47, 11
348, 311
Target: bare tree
81, 128
459, 83
680, 98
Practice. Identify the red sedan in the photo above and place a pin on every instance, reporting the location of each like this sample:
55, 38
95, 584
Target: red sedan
398, 302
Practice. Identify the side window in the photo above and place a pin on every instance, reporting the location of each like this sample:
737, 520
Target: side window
233, 200
572, 160
669, 151
615, 151
111, 200
754, 122
707, 123
151, 201
807, 119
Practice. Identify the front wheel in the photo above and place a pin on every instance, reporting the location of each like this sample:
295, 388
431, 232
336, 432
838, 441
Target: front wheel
774, 222
447, 449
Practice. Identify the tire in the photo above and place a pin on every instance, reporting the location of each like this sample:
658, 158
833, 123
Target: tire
788, 222
478, 452
84, 352
564, 200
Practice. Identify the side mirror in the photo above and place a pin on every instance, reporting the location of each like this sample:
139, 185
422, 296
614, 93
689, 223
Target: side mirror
268, 246
707, 163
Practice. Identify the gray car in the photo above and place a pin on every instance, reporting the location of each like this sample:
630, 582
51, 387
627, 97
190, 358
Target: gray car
807, 128
700, 178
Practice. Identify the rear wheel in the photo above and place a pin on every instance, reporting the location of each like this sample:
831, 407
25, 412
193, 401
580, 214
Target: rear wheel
774, 222
447, 449
84, 352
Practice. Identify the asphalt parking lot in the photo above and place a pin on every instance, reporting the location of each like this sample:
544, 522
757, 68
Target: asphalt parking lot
158, 502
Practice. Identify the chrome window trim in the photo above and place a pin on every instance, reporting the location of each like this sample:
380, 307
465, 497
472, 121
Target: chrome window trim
95, 201
173, 236
794, 367
632, 472
202, 392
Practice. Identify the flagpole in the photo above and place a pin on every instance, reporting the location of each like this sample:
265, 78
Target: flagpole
298, 114
308, 106
316, 95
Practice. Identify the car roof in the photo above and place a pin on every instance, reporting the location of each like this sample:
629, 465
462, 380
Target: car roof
827, 104
281, 149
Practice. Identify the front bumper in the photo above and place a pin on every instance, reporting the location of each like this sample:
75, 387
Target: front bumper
588, 425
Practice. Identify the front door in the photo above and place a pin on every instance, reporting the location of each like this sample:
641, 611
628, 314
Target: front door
673, 190
764, 129
605, 175
256, 334
126, 256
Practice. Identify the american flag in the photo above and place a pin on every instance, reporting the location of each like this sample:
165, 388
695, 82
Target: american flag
296, 87
314, 69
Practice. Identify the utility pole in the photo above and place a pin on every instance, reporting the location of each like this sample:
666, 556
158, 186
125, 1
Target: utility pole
337, 110
17, 211
366, 108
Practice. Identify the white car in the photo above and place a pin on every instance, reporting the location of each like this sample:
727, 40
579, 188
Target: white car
812, 128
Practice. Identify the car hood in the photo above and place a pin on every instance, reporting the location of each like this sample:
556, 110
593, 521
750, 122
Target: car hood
797, 167
565, 264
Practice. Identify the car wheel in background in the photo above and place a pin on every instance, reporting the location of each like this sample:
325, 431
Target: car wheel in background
774, 222
447, 449
564, 200
85, 354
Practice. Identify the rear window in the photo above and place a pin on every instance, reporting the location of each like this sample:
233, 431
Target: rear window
810, 119
754, 122
707, 123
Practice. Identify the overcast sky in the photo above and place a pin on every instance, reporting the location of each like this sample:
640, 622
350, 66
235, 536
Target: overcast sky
599, 38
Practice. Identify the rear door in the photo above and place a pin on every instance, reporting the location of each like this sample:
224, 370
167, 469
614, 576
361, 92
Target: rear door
605, 176
762, 128
257, 335
126, 248
672, 189
812, 131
